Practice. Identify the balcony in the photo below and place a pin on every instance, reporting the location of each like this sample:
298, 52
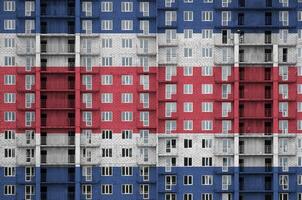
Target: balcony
57, 50
146, 142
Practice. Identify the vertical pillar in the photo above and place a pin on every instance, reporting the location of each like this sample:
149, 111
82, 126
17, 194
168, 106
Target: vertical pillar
77, 100
37, 101
236, 116
275, 121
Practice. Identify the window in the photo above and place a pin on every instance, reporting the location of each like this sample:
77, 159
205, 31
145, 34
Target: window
207, 125
170, 181
126, 116
9, 153
127, 80
299, 88
9, 98
106, 97
9, 79
188, 180
144, 191
107, 79
107, 25
106, 152
9, 24
127, 25
107, 61
188, 1
207, 1
106, 116
188, 89
188, 106
9, 190
207, 71
144, 8
188, 196
106, 6
187, 161
9, 171
106, 189
299, 180
226, 18
126, 152
206, 180
206, 143
127, 43
206, 52
188, 125
87, 26
107, 134
107, 43
206, 161
207, 16
126, 171
207, 33
188, 33
9, 60
9, 116
87, 191
207, 106
188, 70
188, 15
127, 189
283, 181
188, 52
188, 143
29, 173
127, 98
29, 7
299, 106
106, 171
9, 42
87, 8
127, 7
206, 89
283, 17
9, 5
127, 134
170, 17
9, 134
126, 61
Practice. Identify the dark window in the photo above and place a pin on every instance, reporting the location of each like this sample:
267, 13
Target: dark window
268, 18
241, 19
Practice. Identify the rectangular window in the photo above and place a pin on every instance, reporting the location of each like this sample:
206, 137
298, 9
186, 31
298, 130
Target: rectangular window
106, 97
9, 116
9, 6
127, 134
206, 180
126, 171
9, 98
207, 71
9, 80
207, 125
9, 171
9, 190
206, 89
188, 180
127, 25
127, 80
106, 116
188, 15
207, 15
127, 116
9, 60
127, 7
106, 171
106, 6
106, 189
9, 24
127, 188
107, 25
207, 33
106, 79
188, 89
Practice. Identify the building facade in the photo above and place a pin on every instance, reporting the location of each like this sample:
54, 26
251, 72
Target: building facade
151, 99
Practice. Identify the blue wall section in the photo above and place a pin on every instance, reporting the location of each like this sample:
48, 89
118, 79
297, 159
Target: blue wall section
57, 182
57, 16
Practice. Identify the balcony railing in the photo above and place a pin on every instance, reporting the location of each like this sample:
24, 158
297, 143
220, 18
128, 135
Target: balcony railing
59, 49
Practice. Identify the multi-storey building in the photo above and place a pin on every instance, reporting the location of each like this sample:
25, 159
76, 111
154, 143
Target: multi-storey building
151, 99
